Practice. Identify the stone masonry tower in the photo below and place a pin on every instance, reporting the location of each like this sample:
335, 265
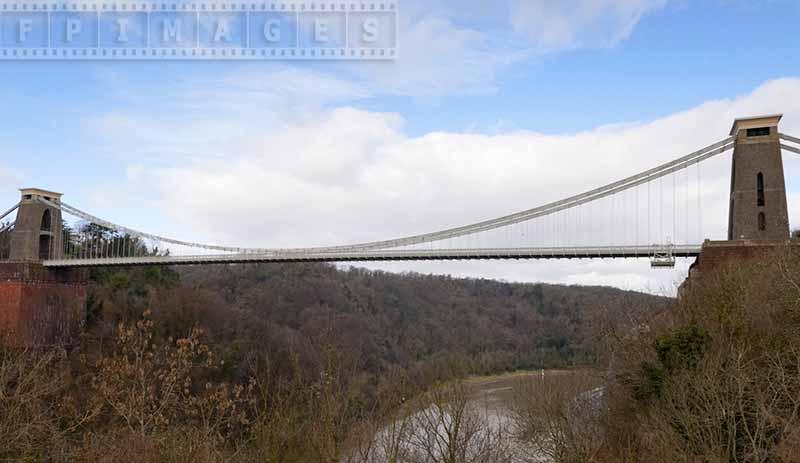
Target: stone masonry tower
37, 230
758, 191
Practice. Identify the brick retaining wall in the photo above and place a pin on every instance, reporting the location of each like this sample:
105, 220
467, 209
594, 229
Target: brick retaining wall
41, 306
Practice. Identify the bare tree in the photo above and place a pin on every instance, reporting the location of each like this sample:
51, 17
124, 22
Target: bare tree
149, 385
30, 384
449, 428
559, 416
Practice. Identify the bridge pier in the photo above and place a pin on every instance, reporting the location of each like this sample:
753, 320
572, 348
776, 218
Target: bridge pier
717, 255
41, 306
720, 256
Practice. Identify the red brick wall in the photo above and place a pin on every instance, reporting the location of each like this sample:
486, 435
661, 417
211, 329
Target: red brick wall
716, 255
719, 255
39, 306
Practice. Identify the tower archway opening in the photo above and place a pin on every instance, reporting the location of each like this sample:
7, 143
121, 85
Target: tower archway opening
47, 221
45, 243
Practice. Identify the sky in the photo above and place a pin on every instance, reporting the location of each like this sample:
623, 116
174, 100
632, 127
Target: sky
491, 108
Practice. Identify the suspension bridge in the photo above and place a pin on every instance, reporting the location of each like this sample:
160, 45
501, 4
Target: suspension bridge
46, 245
655, 214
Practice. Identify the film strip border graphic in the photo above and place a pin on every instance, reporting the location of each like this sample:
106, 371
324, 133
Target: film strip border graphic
147, 30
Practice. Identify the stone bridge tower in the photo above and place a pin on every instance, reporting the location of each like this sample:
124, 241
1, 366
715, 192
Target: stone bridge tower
38, 228
39, 306
758, 220
758, 191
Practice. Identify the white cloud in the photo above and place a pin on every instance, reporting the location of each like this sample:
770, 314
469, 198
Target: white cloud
571, 24
200, 116
439, 57
456, 47
349, 175
442, 51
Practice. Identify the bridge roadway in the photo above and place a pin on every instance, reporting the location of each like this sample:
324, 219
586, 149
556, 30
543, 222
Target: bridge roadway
609, 252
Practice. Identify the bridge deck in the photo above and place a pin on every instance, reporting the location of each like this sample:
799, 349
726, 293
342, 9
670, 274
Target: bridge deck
610, 252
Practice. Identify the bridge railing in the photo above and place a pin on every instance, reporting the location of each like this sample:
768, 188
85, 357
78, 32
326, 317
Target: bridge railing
88, 241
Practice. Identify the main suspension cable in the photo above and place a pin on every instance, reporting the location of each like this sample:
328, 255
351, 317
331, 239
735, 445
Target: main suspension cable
546, 210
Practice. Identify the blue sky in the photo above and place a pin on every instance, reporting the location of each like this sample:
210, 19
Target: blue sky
129, 140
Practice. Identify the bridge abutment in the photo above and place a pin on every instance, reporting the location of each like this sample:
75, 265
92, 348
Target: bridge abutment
717, 257
41, 306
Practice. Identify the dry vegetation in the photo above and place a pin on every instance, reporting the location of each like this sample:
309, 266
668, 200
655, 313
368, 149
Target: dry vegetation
296, 363
360, 367
558, 416
716, 379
